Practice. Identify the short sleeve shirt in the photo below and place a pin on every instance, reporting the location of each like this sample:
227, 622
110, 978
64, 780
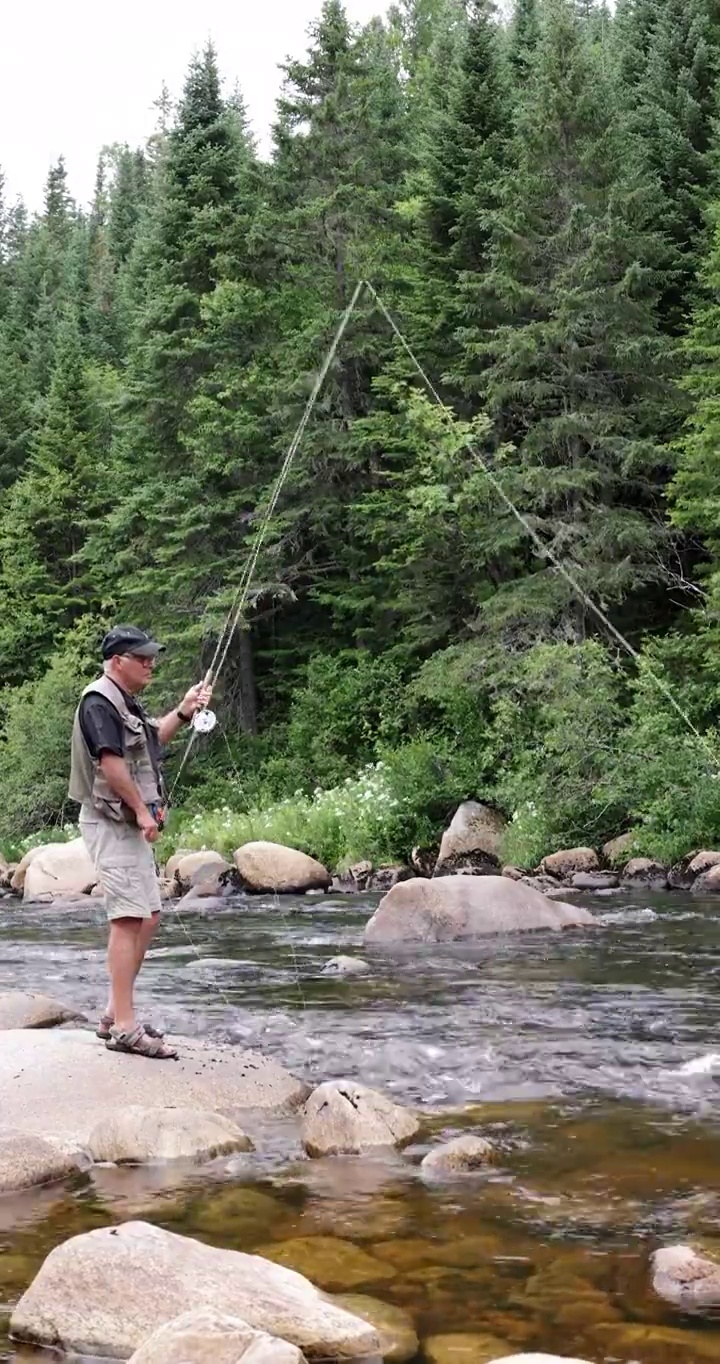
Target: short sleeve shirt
102, 726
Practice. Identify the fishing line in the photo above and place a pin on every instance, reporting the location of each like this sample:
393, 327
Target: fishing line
542, 548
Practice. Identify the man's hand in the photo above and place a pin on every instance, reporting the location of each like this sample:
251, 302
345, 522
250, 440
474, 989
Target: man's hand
147, 825
195, 699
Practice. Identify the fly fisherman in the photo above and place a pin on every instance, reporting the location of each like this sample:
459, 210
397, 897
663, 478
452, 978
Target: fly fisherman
116, 778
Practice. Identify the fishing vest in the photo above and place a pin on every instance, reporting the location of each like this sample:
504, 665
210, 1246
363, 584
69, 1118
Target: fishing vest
88, 785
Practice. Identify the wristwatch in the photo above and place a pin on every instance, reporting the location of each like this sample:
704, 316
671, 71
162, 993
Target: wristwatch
186, 719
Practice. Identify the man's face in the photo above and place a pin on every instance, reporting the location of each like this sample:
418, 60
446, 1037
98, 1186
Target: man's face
134, 672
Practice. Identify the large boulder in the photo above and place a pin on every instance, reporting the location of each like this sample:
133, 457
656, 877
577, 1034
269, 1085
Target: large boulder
106, 1292
204, 1336
136, 1136
703, 861
60, 869
63, 1083
708, 882
456, 908
686, 1280
20, 1009
269, 867
461, 1156
471, 841
619, 849
343, 1118
565, 863
17, 880
28, 1160
645, 874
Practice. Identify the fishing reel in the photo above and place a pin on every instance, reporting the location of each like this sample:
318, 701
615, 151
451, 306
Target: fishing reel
204, 721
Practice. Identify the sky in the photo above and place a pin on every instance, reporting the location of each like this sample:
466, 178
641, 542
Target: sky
78, 74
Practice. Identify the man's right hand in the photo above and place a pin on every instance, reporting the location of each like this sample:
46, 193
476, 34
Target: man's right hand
146, 823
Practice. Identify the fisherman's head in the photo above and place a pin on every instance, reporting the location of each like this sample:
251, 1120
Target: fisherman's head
130, 655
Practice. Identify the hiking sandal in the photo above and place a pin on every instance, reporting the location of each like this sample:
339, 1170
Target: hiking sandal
137, 1042
104, 1031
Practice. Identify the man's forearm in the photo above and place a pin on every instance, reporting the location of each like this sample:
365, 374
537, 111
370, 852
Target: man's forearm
117, 774
169, 726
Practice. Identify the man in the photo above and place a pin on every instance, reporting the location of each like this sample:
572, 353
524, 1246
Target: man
116, 778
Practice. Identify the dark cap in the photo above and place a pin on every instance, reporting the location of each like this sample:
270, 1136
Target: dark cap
127, 639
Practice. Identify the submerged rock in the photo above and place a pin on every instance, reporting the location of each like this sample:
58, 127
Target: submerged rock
460, 1156
136, 1136
270, 867
463, 1348
538, 1359
455, 908
343, 1118
208, 1337
106, 1292
64, 1082
329, 1262
28, 1161
346, 966
59, 869
398, 1341
685, 1279
20, 1009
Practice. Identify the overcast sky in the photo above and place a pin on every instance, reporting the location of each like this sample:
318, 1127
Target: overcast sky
77, 74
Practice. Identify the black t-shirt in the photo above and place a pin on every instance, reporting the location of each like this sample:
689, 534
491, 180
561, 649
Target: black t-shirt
102, 726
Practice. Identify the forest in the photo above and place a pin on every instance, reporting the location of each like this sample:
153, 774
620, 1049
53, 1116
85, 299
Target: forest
535, 195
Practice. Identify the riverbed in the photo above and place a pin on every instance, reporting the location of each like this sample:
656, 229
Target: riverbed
589, 1058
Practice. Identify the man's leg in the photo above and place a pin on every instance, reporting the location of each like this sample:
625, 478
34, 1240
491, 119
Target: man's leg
123, 948
147, 929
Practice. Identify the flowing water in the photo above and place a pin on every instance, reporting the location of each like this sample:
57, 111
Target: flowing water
589, 1058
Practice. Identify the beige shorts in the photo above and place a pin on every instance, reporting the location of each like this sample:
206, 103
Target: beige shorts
125, 867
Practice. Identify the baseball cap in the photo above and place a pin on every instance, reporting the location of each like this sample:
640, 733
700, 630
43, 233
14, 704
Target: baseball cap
128, 639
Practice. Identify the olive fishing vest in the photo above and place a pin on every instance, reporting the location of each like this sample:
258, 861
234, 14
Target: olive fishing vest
88, 786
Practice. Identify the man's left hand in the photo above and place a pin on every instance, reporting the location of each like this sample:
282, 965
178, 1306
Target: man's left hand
195, 699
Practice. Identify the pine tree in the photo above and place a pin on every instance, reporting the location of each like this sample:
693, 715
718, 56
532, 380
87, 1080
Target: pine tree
523, 37
574, 373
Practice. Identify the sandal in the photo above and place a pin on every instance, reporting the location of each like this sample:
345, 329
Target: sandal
104, 1031
138, 1042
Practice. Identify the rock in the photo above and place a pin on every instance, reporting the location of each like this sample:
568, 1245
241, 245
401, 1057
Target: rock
708, 883
268, 867
424, 860
136, 1136
386, 877
28, 1160
19, 1009
343, 1118
345, 966
107, 1291
453, 908
59, 869
472, 841
6, 874
679, 876
564, 864
459, 1156
354, 880
619, 849
643, 871
329, 1262
63, 1082
17, 881
463, 1348
685, 1279
703, 861
398, 1341
208, 1337
512, 873
194, 869
538, 1359
594, 880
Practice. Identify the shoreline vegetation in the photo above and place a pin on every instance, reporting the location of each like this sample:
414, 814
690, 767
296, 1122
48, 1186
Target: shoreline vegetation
535, 196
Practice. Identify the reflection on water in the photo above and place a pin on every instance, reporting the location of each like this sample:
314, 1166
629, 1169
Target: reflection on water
581, 1056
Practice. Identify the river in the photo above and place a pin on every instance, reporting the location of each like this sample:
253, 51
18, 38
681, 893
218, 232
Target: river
588, 1057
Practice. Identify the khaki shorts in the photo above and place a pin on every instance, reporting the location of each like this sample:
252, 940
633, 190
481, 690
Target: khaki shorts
125, 866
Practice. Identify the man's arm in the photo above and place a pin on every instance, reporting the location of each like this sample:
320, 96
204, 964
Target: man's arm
192, 701
117, 775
